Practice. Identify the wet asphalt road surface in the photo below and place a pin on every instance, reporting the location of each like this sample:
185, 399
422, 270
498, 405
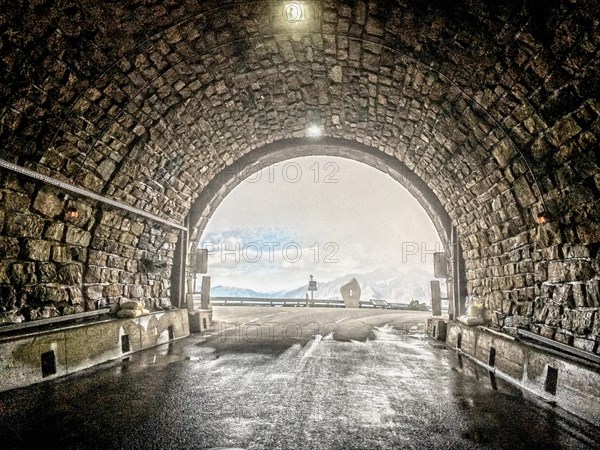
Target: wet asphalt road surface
289, 378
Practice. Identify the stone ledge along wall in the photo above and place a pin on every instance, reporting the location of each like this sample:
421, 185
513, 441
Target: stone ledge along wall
493, 104
53, 265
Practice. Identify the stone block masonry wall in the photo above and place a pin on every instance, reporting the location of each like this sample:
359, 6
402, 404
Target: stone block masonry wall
493, 105
567, 305
544, 286
52, 264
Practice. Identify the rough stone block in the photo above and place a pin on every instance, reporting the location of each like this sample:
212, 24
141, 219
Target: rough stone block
55, 231
136, 291
567, 320
70, 274
50, 294
22, 274
132, 266
4, 267
596, 326
165, 303
106, 168
579, 270
524, 308
495, 301
553, 315
549, 234
48, 204
37, 250
47, 272
503, 152
374, 27
45, 312
8, 298
593, 293
78, 254
9, 247
137, 228
61, 254
93, 274
113, 290
563, 131
582, 323
576, 251
116, 262
69, 309
541, 271
588, 233
97, 258
579, 295
127, 239
111, 219
11, 317
547, 290
24, 225
563, 337
75, 296
16, 201
77, 236
126, 278
523, 192
547, 332
113, 275
587, 345
563, 295
556, 272
91, 182
517, 322
94, 292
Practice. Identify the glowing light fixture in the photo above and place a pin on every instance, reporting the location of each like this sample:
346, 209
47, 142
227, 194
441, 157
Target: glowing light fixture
293, 12
313, 131
72, 213
542, 218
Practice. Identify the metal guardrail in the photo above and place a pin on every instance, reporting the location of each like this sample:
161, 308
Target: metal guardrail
560, 347
287, 302
27, 326
279, 302
299, 303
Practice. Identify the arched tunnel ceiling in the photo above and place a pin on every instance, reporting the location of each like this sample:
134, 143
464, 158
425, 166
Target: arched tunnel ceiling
488, 102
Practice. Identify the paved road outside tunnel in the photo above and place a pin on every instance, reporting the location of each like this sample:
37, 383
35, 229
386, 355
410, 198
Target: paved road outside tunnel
289, 378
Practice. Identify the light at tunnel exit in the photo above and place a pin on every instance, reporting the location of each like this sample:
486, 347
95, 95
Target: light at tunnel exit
327, 216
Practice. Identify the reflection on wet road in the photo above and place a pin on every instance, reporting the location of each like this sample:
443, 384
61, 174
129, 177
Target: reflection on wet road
289, 378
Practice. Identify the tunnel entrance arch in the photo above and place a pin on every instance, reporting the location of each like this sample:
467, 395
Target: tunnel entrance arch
229, 178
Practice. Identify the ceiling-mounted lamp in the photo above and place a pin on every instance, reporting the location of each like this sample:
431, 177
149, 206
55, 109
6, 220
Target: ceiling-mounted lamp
314, 131
293, 12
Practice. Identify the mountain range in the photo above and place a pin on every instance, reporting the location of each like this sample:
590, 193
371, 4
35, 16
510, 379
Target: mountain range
386, 284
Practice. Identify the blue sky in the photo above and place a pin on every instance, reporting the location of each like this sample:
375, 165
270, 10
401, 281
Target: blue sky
323, 216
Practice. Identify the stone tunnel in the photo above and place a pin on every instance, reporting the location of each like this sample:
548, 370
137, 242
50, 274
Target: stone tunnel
124, 124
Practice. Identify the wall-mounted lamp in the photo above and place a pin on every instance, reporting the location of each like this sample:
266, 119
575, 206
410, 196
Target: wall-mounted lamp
73, 213
542, 218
